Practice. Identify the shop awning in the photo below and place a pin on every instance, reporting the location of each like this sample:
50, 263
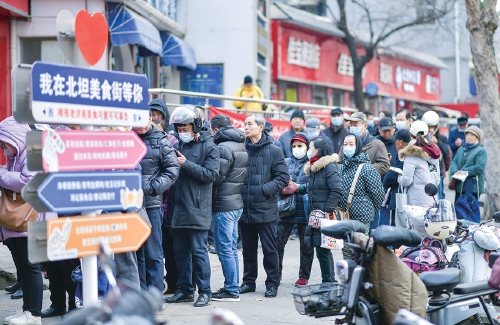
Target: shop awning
127, 27
177, 52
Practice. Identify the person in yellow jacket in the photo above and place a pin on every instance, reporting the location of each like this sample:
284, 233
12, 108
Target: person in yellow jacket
248, 90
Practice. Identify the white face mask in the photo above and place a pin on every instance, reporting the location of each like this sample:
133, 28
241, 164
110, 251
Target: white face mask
299, 153
186, 137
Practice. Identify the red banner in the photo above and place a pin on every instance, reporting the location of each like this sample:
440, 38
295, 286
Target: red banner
238, 120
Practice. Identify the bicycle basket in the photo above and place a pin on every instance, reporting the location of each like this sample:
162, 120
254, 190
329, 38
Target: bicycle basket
319, 300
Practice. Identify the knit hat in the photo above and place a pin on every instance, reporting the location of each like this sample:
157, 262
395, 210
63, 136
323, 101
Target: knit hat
476, 131
297, 113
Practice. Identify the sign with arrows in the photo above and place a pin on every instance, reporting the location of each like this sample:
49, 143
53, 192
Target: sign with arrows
77, 150
76, 237
85, 191
63, 94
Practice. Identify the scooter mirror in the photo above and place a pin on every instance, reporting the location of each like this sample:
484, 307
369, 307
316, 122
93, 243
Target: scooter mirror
431, 189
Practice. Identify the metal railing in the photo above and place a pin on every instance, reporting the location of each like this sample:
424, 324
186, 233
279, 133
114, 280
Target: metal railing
270, 113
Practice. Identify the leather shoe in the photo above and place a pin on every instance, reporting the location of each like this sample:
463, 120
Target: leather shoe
203, 300
271, 292
246, 288
18, 294
51, 312
13, 288
180, 297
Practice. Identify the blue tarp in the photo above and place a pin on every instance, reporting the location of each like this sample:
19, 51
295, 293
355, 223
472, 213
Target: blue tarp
177, 52
127, 27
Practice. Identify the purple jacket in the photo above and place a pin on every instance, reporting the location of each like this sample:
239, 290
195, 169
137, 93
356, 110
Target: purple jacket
16, 174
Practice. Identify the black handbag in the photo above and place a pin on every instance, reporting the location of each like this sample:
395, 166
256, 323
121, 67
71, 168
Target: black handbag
287, 205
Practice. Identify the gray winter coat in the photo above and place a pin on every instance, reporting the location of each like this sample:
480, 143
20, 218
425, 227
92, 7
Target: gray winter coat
419, 169
160, 167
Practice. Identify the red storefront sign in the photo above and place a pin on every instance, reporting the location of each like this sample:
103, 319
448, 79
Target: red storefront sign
305, 56
14, 8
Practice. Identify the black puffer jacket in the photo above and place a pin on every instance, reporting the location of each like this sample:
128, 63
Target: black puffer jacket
233, 169
193, 190
160, 167
325, 191
325, 187
267, 176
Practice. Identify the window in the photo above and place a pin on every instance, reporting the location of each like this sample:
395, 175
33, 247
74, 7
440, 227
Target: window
261, 59
338, 97
261, 7
317, 7
425, 9
319, 95
41, 49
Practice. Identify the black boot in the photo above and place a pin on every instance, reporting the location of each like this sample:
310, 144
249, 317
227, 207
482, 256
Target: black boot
13, 288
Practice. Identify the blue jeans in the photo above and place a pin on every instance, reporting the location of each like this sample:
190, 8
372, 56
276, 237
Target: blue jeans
191, 256
150, 255
225, 239
441, 194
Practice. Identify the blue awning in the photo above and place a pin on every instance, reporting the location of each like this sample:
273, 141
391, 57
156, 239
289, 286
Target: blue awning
127, 27
176, 52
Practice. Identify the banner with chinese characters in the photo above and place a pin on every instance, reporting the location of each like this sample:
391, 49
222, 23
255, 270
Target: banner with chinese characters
307, 56
63, 94
238, 121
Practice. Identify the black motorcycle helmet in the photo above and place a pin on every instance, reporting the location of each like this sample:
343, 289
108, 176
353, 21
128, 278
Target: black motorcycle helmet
184, 115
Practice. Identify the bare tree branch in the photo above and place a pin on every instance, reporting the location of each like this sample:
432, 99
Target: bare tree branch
368, 16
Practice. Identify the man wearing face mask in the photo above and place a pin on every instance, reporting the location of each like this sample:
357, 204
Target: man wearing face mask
160, 170
198, 157
373, 147
457, 135
403, 120
337, 132
297, 123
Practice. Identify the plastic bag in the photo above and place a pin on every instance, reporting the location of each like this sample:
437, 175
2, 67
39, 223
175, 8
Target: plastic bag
416, 216
327, 241
473, 266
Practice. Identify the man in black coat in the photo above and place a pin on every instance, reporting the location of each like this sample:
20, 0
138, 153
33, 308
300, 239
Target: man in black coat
227, 203
337, 132
160, 170
267, 176
199, 160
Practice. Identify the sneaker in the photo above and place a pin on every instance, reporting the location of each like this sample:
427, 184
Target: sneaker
224, 295
26, 319
294, 237
211, 249
301, 282
7, 319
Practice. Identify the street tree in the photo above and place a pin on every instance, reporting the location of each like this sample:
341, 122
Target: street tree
482, 23
382, 20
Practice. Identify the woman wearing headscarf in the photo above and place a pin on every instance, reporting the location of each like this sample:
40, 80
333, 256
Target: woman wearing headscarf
324, 194
368, 191
471, 157
12, 179
420, 165
299, 145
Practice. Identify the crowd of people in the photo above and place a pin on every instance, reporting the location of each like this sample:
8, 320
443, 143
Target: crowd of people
207, 178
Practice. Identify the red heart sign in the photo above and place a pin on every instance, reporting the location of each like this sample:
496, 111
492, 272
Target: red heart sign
91, 33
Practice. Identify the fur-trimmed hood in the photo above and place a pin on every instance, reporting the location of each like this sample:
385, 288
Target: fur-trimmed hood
320, 164
415, 151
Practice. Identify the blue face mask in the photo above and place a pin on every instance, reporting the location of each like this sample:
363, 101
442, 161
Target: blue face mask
337, 120
356, 130
349, 151
309, 154
371, 124
462, 130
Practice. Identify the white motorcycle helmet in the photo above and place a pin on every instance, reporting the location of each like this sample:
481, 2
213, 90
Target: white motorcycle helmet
430, 118
440, 222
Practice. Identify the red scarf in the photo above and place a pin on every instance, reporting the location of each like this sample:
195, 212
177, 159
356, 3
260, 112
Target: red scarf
314, 159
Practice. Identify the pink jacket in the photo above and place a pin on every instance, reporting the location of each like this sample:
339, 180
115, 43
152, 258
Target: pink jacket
16, 174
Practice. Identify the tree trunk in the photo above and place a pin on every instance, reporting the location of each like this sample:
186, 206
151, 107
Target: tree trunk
482, 22
359, 97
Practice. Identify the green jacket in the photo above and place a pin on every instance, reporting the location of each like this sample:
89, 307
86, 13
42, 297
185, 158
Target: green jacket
472, 161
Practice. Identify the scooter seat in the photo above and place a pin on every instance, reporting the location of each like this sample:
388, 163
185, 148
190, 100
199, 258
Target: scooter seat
341, 229
471, 287
391, 236
440, 280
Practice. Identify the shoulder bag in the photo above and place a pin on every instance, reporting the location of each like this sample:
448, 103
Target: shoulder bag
400, 217
344, 213
287, 205
15, 212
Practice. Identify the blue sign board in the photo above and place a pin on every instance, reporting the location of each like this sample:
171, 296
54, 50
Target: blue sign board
371, 89
63, 94
92, 191
204, 79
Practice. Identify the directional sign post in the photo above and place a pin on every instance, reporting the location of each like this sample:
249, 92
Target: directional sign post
55, 151
63, 94
85, 191
80, 236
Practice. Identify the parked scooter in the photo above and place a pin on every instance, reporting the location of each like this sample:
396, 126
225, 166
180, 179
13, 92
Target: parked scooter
448, 304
